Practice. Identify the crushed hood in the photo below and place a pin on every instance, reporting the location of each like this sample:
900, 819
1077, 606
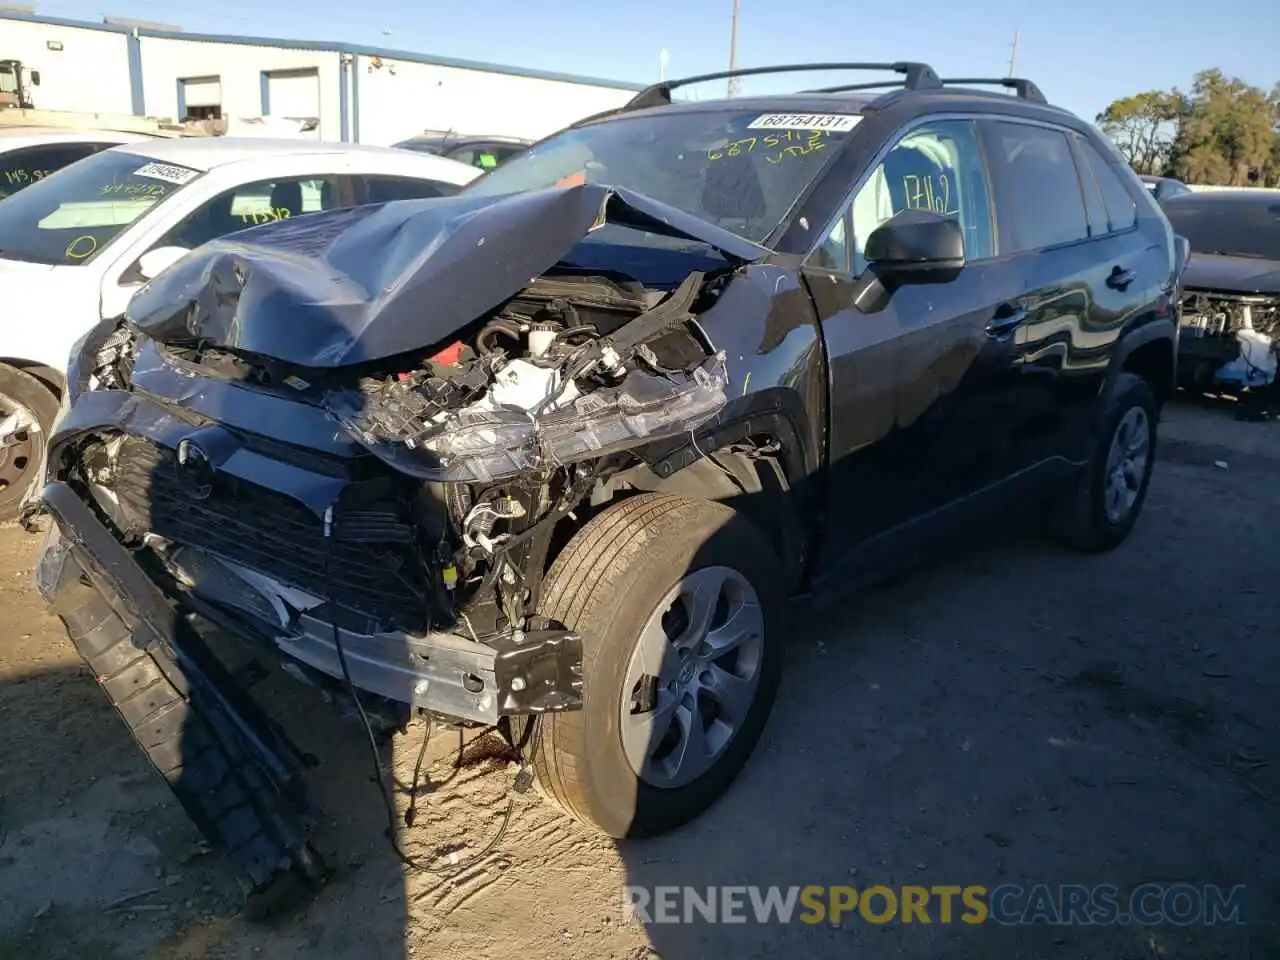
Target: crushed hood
1243, 275
366, 283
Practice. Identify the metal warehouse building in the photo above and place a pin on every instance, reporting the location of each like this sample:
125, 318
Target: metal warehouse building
359, 94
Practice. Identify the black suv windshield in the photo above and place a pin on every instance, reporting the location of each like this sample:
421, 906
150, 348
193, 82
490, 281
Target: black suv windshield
739, 169
1229, 228
69, 216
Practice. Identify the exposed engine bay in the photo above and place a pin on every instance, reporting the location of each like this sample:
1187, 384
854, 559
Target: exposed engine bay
412, 543
547, 382
1230, 341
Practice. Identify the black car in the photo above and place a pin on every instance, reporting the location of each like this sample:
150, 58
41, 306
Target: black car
554, 453
477, 151
1231, 311
1162, 188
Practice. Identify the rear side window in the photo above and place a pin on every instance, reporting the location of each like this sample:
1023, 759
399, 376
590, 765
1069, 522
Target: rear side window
1122, 213
1039, 202
386, 189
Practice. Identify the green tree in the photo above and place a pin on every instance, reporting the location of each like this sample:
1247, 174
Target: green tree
1227, 132
1223, 132
1143, 127
1271, 175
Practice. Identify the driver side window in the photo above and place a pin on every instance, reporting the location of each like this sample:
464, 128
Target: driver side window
938, 167
250, 205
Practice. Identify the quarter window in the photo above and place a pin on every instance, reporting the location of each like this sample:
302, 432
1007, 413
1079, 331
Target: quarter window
935, 167
1039, 202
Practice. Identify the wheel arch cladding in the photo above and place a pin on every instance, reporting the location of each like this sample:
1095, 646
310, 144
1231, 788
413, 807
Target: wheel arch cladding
1154, 361
758, 467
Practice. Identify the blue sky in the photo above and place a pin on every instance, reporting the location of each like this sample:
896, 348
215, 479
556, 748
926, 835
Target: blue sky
1083, 54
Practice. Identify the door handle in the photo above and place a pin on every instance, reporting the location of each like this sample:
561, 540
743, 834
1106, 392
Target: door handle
1006, 318
1120, 278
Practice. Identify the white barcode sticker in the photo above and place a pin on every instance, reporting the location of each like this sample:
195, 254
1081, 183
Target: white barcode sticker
168, 172
831, 122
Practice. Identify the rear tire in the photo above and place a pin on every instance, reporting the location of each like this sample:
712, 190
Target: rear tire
1099, 514
615, 768
22, 456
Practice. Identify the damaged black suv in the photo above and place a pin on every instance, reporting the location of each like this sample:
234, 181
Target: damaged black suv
552, 454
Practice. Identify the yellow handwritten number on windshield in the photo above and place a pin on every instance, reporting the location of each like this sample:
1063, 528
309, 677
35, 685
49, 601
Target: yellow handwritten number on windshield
793, 143
81, 247
133, 190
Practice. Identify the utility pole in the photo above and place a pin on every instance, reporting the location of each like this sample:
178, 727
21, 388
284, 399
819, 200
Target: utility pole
662, 65
1013, 57
733, 49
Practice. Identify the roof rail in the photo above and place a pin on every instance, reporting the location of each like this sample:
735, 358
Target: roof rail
873, 85
1025, 89
916, 76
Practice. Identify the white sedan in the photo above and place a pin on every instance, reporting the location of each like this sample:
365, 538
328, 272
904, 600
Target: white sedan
77, 244
29, 154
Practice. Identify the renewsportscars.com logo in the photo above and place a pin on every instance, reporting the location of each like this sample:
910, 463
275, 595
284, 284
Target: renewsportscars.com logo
1181, 904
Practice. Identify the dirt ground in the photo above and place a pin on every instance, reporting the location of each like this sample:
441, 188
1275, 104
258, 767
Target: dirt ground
1015, 715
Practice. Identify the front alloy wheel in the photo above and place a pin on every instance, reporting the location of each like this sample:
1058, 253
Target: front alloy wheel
693, 677
678, 604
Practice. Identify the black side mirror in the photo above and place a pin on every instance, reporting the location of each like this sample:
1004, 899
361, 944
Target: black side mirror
35, 78
912, 247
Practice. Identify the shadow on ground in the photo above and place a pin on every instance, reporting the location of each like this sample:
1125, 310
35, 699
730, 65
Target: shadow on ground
1015, 716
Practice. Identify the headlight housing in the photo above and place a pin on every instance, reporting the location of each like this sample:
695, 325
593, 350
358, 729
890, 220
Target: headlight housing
87, 355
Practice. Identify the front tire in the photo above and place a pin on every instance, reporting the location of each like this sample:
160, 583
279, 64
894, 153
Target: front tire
22, 446
678, 604
1101, 512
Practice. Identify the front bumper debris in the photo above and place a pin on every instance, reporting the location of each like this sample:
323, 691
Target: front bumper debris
525, 672
233, 770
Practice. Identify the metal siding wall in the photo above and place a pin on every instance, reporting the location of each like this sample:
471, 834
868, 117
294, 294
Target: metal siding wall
90, 72
240, 68
421, 96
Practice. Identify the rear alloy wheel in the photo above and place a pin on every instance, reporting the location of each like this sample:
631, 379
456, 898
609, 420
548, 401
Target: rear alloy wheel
1127, 465
1109, 498
27, 412
678, 605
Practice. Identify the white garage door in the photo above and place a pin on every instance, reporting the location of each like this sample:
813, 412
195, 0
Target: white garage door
202, 92
293, 93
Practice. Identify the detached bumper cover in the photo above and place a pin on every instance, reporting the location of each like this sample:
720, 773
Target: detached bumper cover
234, 772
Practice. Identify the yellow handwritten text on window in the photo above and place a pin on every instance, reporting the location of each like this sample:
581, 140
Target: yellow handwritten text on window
81, 248
156, 190
22, 178
776, 146
266, 216
929, 193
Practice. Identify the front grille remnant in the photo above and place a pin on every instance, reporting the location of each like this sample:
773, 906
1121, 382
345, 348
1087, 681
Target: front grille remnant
373, 568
